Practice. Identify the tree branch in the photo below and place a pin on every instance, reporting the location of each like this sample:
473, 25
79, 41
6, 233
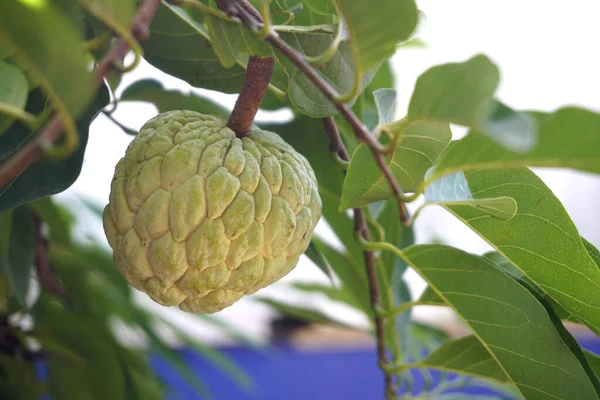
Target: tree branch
34, 149
240, 9
44, 270
336, 146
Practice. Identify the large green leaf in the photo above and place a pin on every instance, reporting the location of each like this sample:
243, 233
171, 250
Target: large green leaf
462, 93
417, 149
180, 46
47, 41
45, 176
376, 27
568, 138
465, 356
540, 240
230, 40
339, 71
13, 91
21, 253
152, 91
508, 320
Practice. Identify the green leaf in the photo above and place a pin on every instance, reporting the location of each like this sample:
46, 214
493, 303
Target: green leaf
385, 101
21, 253
465, 356
317, 258
5, 235
462, 93
67, 381
102, 375
143, 320
401, 332
47, 41
13, 91
120, 11
320, 6
540, 240
568, 138
376, 27
418, 147
59, 219
180, 46
592, 251
302, 313
20, 381
231, 39
383, 79
45, 176
152, 91
226, 39
339, 71
5, 51
333, 293
453, 189
215, 357
507, 319
350, 272
421, 339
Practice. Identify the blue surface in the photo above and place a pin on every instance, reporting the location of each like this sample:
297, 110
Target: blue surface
290, 374
285, 373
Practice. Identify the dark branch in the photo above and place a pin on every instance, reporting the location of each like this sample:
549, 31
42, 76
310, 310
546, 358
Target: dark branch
55, 129
44, 270
239, 9
336, 145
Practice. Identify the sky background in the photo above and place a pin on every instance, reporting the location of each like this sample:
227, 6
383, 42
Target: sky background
547, 52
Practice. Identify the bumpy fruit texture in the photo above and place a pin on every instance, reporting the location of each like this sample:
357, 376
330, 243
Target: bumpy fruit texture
198, 218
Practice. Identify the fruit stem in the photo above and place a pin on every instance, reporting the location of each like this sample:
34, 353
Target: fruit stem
258, 76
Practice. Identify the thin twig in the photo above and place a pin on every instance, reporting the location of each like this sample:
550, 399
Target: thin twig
34, 149
241, 9
44, 270
336, 146
125, 129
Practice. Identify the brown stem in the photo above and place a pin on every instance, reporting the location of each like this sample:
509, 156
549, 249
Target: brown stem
239, 9
55, 129
258, 76
336, 145
44, 270
256, 83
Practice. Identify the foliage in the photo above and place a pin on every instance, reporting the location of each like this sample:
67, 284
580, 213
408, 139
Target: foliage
514, 300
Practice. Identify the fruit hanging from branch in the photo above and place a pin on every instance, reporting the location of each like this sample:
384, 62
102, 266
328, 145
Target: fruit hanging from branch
198, 217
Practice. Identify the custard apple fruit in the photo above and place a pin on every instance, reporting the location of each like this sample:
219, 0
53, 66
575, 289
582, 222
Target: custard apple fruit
198, 217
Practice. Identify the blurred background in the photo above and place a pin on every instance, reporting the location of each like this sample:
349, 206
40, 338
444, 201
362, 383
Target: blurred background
546, 53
